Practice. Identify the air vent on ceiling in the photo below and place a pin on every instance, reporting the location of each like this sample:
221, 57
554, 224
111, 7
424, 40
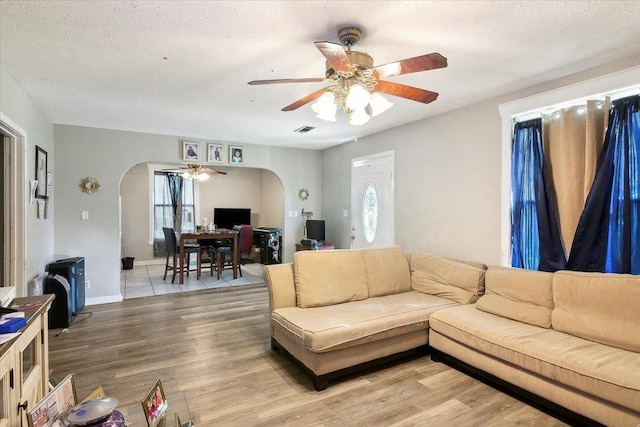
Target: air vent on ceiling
304, 129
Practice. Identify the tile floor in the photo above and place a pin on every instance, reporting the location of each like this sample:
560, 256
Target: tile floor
146, 280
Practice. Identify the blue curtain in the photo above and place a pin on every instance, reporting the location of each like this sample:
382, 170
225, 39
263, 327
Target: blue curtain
608, 234
535, 236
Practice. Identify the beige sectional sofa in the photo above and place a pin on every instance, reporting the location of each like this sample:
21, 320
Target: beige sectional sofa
334, 310
571, 338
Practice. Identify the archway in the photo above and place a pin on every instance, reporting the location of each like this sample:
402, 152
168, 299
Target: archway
261, 190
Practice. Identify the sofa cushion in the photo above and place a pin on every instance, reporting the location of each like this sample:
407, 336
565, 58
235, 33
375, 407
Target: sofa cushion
323, 329
329, 277
387, 271
599, 307
609, 373
446, 278
522, 295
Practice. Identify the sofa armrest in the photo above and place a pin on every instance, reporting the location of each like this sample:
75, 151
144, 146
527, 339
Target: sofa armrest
282, 290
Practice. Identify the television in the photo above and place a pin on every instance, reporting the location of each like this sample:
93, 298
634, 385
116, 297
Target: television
316, 229
228, 217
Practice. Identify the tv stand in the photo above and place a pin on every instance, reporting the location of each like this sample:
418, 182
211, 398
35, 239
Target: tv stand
325, 246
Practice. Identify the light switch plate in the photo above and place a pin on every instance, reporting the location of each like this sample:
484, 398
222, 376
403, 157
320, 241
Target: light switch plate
85, 214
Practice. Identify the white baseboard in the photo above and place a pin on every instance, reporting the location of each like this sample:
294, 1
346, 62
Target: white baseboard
103, 300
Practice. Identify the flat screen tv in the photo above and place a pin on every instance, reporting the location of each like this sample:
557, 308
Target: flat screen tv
316, 229
228, 217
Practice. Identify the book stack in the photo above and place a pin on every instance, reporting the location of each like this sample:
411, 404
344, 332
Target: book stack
11, 322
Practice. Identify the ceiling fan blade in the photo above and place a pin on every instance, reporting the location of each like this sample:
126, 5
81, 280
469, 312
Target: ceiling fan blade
411, 65
300, 102
408, 92
214, 171
336, 56
268, 82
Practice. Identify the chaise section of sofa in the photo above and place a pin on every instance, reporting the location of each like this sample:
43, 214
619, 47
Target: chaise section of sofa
335, 310
570, 338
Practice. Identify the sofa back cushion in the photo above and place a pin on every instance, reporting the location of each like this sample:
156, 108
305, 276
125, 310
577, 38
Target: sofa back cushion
598, 307
446, 278
387, 271
518, 294
329, 277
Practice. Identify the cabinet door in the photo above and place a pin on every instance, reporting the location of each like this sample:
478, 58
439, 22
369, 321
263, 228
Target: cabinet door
30, 361
7, 389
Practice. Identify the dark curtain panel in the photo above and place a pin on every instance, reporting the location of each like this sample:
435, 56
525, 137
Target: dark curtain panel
535, 237
175, 192
608, 235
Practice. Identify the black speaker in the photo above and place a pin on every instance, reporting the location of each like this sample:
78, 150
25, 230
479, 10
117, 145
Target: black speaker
61, 307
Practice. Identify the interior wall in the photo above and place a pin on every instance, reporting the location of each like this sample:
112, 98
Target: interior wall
272, 201
239, 188
446, 191
107, 155
134, 193
17, 106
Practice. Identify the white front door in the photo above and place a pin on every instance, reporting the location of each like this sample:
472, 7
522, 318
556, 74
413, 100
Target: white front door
372, 200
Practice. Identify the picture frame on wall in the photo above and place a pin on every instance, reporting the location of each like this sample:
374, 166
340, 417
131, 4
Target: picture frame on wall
214, 153
41, 173
236, 155
190, 151
155, 405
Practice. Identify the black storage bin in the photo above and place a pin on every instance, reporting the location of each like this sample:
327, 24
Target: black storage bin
60, 314
127, 263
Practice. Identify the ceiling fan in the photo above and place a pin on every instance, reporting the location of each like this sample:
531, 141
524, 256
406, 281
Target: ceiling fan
193, 171
356, 83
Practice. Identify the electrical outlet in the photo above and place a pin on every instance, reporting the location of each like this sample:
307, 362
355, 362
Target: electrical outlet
345, 213
87, 284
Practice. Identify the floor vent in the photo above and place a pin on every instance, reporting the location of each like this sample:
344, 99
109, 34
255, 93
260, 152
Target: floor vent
304, 129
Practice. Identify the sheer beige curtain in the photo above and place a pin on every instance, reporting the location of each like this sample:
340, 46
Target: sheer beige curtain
572, 140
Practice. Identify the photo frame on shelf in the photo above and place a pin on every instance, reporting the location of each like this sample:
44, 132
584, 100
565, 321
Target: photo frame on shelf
215, 153
155, 405
191, 151
54, 407
236, 155
41, 173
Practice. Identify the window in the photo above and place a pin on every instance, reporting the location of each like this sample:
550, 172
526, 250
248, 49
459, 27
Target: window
370, 212
163, 209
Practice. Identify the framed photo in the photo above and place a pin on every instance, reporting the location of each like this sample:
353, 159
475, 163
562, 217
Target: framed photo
191, 151
236, 155
154, 405
214, 153
41, 173
53, 409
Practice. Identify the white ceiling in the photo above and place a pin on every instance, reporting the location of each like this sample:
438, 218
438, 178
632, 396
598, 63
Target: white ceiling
181, 68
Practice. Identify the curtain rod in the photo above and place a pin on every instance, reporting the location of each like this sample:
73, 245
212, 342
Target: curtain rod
612, 95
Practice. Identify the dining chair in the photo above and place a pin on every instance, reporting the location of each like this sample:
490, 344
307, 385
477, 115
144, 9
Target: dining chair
173, 253
222, 253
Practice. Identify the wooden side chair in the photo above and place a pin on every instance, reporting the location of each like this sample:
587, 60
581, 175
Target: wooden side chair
222, 253
173, 253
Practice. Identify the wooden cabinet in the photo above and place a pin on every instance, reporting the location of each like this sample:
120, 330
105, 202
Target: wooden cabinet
24, 363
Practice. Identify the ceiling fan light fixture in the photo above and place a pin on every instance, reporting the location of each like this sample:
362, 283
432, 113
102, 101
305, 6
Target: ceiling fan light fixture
358, 117
378, 104
358, 97
203, 177
325, 107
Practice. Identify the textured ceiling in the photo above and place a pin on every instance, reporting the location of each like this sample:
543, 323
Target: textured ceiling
181, 68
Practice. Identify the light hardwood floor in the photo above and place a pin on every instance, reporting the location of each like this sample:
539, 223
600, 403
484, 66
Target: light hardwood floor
213, 345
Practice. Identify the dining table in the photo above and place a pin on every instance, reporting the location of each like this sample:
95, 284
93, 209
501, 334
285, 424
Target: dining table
219, 234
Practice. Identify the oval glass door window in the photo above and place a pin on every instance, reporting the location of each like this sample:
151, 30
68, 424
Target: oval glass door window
370, 208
